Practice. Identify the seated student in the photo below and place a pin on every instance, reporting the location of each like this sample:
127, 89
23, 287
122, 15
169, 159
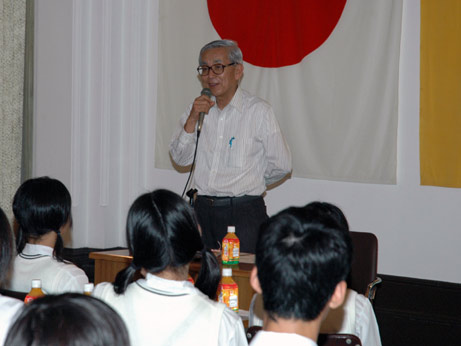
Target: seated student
301, 268
164, 308
69, 319
42, 208
9, 307
355, 315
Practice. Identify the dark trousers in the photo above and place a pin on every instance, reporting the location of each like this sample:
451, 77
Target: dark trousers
246, 213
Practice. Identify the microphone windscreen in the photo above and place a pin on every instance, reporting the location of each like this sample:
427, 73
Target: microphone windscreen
206, 91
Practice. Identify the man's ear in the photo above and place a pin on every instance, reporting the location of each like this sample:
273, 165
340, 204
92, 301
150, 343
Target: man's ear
338, 295
239, 71
254, 281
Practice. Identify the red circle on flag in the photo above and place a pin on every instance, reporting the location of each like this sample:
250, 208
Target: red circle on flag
275, 33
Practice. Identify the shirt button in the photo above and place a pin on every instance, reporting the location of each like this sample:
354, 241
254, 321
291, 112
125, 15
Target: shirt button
220, 137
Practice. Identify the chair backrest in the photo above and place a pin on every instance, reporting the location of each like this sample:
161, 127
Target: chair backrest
364, 261
338, 340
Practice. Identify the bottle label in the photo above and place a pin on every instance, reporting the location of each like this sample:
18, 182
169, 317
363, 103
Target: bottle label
228, 294
225, 250
230, 251
29, 298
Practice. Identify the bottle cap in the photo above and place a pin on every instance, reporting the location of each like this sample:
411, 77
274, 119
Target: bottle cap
227, 272
88, 287
36, 283
231, 229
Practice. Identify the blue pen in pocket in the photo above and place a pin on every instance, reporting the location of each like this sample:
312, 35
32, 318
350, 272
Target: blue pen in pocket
230, 142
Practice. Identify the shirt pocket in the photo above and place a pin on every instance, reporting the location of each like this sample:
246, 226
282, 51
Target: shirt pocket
238, 151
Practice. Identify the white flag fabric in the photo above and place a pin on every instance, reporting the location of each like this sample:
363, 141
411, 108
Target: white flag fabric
337, 107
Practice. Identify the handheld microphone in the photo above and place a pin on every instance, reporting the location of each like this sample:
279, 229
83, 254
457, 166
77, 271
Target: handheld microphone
201, 116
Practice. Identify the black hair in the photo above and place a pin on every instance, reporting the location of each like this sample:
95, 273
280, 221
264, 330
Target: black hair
70, 319
299, 264
327, 214
162, 232
6, 246
41, 205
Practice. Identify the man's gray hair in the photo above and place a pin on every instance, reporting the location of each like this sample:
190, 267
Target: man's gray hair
234, 55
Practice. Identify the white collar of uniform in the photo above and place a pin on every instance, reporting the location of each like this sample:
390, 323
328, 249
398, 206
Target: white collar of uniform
35, 249
278, 338
168, 287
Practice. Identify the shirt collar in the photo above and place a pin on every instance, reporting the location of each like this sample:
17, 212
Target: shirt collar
172, 287
35, 249
237, 100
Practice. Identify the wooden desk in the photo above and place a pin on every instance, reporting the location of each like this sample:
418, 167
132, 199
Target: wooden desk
109, 263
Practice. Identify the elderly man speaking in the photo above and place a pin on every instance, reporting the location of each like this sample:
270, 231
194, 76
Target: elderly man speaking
241, 148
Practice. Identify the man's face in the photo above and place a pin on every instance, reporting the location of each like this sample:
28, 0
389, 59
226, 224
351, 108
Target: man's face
222, 86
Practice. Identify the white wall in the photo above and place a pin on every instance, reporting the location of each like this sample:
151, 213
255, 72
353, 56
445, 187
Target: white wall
417, 226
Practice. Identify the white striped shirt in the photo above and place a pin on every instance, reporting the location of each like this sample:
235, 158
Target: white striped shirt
241, 148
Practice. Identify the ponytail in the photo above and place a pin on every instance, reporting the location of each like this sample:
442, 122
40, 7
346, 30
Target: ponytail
210, 274
123, 278
20, 240
59, 248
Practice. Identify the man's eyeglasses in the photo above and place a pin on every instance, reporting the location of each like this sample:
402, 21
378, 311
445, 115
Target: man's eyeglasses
216, 68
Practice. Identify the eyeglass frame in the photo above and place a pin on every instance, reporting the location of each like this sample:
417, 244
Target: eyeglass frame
211, 68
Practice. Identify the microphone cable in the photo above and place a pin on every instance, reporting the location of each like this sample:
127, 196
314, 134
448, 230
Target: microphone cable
190, 193
192, 167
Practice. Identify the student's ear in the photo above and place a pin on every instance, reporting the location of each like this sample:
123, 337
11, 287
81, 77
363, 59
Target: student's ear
338, 295
254, 281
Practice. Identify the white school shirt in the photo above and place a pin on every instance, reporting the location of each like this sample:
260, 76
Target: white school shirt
37, 262
240, 151
9, 309
264, 338
157, 311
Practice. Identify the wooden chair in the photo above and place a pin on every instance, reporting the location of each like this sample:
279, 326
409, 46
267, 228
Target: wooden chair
338, 340
363, 277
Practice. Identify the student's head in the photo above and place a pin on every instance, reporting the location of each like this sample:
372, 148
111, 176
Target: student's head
69, 319
40, 206
301, 266
327, 214
6, 246
163, 235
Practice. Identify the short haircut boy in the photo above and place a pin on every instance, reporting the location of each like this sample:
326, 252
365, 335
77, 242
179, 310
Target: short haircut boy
299, 264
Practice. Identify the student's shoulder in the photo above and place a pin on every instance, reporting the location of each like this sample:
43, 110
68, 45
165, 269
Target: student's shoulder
68, 267
103, 290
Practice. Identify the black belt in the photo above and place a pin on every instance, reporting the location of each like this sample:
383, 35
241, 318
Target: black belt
214, 201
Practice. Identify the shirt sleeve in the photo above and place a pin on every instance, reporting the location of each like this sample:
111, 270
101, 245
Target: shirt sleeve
182, 144
278, 154
366, 326
231, 331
